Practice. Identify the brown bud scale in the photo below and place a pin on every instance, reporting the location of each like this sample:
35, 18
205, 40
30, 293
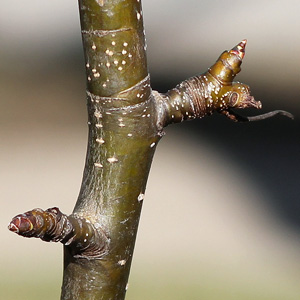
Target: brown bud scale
78, 234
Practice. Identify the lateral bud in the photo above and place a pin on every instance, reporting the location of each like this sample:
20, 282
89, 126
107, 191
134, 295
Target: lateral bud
78, 234
212, 91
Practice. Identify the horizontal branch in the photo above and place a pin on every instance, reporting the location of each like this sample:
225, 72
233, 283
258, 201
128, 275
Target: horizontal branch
212, 91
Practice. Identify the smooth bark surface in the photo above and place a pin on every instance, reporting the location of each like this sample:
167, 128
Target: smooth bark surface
122, 139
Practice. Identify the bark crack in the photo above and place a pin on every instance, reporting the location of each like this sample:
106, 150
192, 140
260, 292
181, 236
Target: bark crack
101, 33
141, 84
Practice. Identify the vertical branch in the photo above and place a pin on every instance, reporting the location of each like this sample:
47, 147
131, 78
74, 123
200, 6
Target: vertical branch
122, 136
100, 234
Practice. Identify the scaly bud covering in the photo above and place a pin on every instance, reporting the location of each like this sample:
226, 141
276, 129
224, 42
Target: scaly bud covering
239, 49
51, 225
228, 64
212, 91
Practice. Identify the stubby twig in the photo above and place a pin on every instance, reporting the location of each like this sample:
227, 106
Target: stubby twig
78, 234
212, 91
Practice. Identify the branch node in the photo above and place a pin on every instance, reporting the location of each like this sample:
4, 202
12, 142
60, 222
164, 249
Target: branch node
212, 91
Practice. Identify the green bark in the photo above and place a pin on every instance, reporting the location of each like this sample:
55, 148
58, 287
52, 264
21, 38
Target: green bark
122, 139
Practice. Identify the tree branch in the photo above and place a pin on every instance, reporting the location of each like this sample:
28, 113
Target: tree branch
212, 91
126, 120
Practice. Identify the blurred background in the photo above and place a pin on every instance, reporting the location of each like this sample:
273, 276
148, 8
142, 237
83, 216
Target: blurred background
221, 214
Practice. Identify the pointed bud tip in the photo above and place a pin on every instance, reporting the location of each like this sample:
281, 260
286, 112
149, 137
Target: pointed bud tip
20, 224
244, 41
12, 227
242, 45
239, 49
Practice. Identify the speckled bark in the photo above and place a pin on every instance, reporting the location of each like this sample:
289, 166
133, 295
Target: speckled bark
122, 138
